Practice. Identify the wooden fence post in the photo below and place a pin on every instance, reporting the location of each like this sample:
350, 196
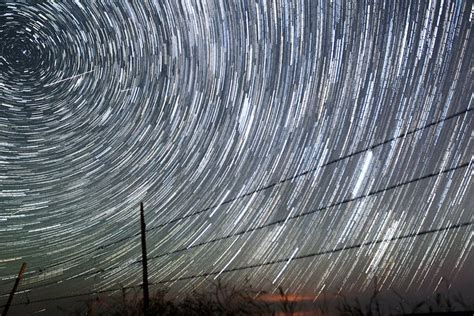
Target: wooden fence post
12, 293
146, 295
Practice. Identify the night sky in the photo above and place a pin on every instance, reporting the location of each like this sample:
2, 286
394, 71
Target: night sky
316, 145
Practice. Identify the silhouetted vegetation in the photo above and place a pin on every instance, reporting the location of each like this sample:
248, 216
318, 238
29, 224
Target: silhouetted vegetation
220, 299
216, 300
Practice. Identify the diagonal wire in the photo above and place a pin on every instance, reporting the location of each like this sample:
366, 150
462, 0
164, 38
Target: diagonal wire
298, 216
271, 185
267, 263
266, 187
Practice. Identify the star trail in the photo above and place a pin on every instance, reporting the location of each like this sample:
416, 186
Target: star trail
314, 145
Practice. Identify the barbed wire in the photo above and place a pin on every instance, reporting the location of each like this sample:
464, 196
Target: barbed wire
297, 216
266, 187
258, 265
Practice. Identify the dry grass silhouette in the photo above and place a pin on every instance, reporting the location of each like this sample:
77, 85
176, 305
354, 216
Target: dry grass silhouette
223, 299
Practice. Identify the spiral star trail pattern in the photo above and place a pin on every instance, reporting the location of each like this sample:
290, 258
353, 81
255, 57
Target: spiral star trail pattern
222, 117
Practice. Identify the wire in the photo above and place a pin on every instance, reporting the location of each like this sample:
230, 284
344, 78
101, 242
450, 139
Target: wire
401, 184
268, 186
271, 185
246, 267
314, 211
73, 295
339, 249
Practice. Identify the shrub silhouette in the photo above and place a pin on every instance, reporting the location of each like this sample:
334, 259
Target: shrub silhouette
223, 299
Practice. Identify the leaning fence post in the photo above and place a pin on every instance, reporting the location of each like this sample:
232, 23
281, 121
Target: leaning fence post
12, 293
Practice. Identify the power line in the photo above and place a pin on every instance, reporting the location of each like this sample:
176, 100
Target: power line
375, 192
246, 267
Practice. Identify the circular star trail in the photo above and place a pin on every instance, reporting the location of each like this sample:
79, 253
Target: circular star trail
311, 144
